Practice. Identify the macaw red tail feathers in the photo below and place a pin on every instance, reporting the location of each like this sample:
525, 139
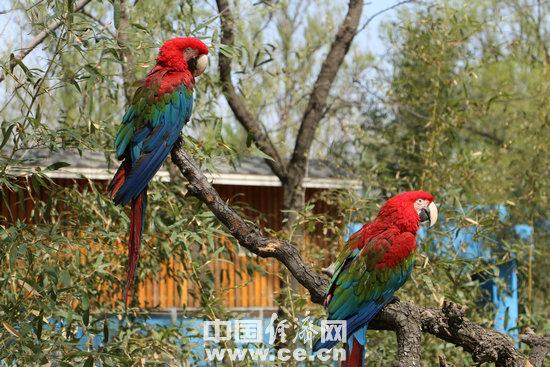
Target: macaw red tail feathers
356, 356
137, 216
354, 346
119, 178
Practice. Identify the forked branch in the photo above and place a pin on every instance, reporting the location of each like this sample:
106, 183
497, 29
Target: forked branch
407, 320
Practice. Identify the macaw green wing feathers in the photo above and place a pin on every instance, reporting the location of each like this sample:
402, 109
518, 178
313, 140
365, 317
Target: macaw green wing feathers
149, 130
359, 299
360, 286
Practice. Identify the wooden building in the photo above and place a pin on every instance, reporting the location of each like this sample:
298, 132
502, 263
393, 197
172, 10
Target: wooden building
251, 181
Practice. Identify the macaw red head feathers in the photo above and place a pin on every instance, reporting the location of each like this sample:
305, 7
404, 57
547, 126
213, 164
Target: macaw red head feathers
183, 53
408, 209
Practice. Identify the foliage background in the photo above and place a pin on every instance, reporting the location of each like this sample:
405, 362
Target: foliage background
455, 104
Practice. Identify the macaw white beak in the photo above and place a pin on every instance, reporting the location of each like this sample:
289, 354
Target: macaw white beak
202, 62
432, 212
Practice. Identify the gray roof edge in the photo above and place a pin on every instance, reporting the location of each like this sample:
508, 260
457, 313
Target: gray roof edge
251, 171
234, 179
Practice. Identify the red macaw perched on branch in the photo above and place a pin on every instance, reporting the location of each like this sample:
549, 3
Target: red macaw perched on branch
160, 108
377, 260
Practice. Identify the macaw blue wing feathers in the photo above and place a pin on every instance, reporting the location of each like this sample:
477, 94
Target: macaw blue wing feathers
147, 141
359, 310
360, 288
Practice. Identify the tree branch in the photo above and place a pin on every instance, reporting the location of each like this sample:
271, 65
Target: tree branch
100, 22
409, 339
318, 98
40, 37
540, 347
327, 74
371, 18
125, 54
236, 102
406, 319
248, 235
449, 324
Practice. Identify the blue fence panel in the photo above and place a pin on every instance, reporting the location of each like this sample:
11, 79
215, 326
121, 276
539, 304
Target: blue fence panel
506, 300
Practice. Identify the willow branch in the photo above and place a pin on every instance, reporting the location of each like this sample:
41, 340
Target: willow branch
237, 103
372, 17
40, 37
100, 22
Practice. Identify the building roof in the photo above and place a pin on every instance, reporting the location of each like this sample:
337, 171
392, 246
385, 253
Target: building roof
248, 171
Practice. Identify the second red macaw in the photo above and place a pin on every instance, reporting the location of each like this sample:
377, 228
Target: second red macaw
377, 260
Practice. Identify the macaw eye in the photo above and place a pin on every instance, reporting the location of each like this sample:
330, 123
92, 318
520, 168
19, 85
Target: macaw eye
420, 201
188, 49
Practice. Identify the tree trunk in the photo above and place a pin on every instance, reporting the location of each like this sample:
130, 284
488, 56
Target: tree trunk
294, 200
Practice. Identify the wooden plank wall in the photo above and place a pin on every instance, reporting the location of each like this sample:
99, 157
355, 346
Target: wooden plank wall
233, 284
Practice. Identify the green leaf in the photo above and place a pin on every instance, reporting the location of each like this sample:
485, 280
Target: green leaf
249, 139
84, 301
70, 11
217, 252
77, 86
57, 165
116, 13
65, 278
228, 51
204, 24
112, 51
38, 325
89, 362
94, 72
86, 316
105, 331
214, 36
139, 26
6, 133
85, 305
255, 152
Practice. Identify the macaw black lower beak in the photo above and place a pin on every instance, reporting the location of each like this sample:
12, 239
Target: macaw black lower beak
197, 64
424, 215
429, 214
